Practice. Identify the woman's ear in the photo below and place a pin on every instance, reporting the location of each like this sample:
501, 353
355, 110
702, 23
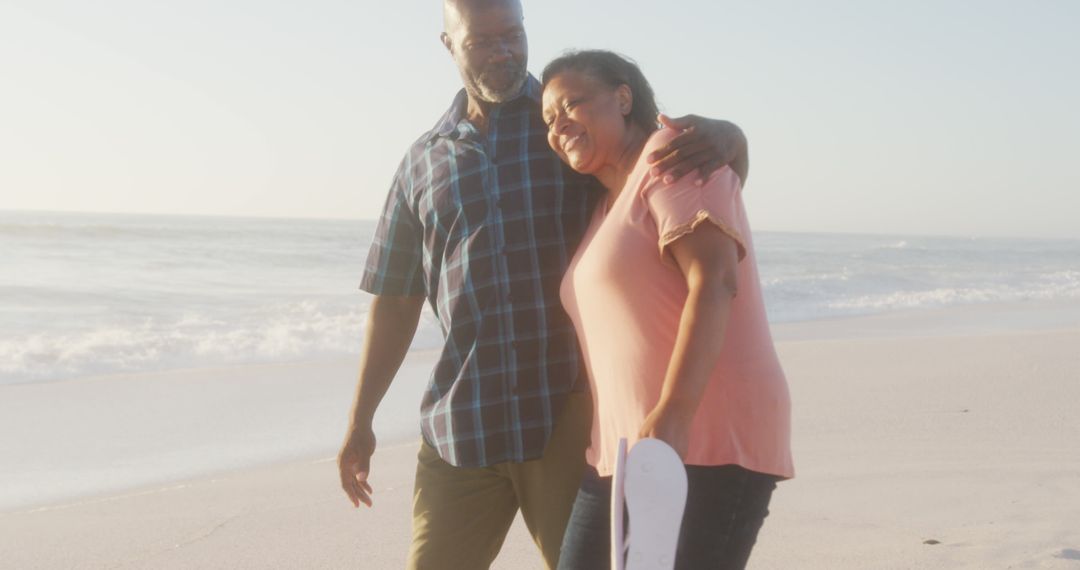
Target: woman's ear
625, 96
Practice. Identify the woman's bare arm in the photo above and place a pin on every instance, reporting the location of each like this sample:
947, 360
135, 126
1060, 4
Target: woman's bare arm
707, 258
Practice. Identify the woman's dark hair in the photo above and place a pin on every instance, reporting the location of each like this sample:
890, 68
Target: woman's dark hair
613, 70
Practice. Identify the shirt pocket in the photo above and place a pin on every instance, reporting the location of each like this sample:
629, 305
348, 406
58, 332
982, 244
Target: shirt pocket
452, 201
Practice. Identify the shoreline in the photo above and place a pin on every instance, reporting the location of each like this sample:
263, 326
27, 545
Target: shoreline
973, 319
296, 411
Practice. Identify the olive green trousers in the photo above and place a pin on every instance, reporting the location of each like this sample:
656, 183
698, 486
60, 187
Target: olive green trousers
461, 515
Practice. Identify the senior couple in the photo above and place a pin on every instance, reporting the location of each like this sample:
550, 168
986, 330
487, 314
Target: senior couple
593, 273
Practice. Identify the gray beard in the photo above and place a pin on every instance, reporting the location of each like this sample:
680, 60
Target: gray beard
491, 95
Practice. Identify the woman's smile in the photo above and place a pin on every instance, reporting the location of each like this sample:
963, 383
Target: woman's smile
570, 143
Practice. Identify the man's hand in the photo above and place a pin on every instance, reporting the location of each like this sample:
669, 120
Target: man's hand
704, 145
354, 462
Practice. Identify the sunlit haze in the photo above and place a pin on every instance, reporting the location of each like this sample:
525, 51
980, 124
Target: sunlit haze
953, 118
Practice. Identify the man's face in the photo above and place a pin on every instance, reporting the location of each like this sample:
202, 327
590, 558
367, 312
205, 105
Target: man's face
490, 49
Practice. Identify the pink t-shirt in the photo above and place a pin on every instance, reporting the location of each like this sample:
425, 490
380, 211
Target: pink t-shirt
626, 295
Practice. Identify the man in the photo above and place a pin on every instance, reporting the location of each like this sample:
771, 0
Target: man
481, 221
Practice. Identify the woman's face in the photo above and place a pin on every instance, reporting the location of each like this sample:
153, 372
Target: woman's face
586, 120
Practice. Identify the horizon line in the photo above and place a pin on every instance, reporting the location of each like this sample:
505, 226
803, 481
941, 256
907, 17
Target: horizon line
365, 219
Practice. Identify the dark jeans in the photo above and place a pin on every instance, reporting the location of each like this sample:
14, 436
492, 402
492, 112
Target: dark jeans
725, 508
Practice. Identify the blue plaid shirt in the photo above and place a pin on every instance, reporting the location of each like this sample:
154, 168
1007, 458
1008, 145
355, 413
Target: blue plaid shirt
485, 228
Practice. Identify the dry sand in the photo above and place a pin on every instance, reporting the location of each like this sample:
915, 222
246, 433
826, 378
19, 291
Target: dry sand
944, 439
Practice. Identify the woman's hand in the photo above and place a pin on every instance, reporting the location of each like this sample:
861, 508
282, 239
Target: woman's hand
670, 424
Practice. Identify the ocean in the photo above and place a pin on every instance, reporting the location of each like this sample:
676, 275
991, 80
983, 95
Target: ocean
91, 294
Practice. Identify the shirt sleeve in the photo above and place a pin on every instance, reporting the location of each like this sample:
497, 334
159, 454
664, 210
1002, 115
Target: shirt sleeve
681, 206
394, 263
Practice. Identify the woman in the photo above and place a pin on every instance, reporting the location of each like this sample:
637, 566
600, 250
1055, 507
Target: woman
665, 297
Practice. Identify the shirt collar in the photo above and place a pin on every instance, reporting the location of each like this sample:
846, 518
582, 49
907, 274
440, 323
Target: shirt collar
447, 125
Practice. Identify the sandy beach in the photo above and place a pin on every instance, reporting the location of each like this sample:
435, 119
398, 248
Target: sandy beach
932, 439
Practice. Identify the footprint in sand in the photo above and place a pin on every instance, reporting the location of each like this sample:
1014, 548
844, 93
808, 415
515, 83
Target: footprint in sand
1069, 554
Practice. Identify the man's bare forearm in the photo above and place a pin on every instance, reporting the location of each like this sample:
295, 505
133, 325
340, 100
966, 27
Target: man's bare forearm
390, 328
741, 163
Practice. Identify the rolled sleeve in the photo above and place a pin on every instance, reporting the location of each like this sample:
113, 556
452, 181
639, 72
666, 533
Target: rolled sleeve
394, 263
680, 207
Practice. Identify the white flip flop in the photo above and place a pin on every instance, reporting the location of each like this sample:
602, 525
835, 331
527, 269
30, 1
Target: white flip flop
618, 542
654, 485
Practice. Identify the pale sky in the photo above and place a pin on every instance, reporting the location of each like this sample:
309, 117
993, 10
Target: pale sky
920, 117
